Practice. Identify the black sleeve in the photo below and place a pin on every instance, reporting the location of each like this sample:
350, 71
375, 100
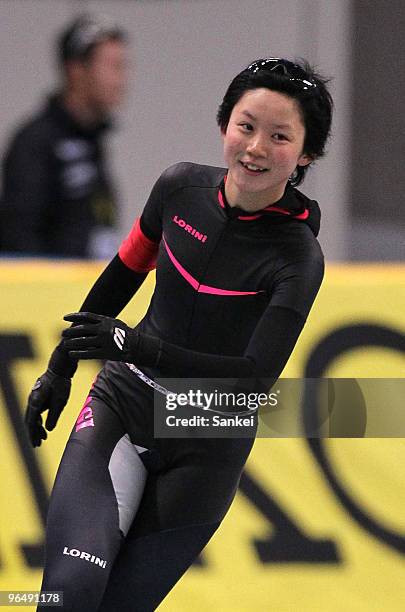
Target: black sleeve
111, 292
265, 357
114, 288
27, 176
296, 284
272, 341
151, 218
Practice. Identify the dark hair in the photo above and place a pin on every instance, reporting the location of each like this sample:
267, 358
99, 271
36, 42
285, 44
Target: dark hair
79, 39
297, 80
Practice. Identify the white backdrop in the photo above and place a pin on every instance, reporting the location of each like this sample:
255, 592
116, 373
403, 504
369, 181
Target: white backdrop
183, 55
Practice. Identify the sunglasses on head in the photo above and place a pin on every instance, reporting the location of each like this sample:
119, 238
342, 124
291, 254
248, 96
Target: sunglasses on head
291, 71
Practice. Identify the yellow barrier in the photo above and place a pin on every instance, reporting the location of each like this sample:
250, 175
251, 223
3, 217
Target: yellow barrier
317, 526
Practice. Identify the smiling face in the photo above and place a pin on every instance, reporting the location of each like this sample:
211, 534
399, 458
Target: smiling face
263, 144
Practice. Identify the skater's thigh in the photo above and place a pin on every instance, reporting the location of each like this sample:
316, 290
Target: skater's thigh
96, 494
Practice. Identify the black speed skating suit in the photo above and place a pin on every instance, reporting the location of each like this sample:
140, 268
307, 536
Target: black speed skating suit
129, 513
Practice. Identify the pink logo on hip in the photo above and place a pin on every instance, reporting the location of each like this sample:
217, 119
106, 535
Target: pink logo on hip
85, 418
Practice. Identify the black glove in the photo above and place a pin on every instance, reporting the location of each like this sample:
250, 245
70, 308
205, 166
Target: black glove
95, 336
50, 392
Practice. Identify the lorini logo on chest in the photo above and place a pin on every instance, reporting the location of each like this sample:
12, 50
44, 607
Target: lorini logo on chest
190, 229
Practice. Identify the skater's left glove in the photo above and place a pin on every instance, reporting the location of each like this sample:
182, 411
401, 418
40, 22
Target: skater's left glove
95, 336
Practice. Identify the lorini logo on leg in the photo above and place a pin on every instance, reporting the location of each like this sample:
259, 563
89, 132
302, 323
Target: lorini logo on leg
74, 552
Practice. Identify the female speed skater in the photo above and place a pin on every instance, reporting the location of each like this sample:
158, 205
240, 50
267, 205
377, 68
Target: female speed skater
238, 267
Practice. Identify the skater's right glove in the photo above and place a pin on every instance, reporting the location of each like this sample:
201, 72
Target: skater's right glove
50, 392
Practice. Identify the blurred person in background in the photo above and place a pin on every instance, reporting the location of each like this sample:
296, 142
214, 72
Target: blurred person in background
57, 197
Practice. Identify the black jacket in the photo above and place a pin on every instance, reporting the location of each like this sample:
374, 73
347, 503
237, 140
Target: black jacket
55, 186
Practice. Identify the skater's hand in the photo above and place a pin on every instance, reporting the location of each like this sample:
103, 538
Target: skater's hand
50, 392
95, 336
